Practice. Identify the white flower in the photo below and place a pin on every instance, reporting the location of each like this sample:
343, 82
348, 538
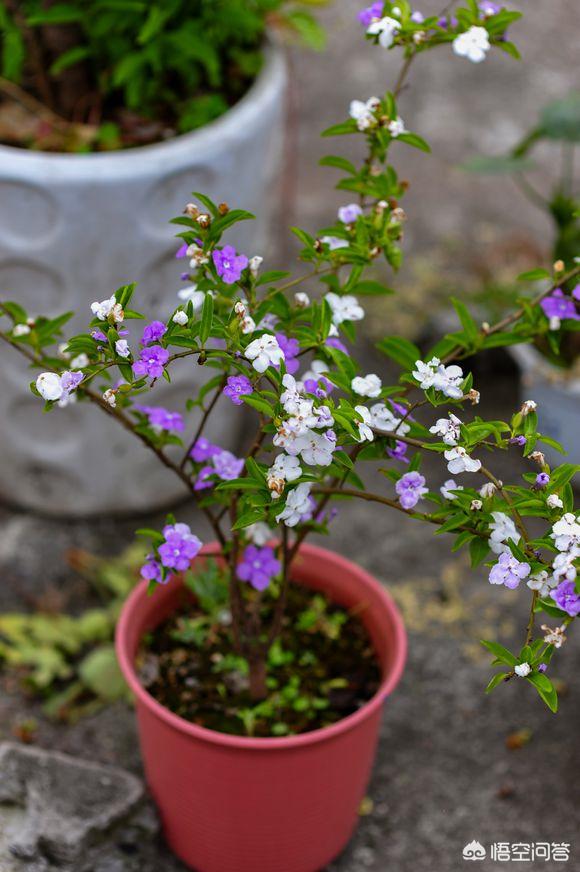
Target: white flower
475, 505
522, 669
191, 293
554, 323
297, 504
502, 529
344, 308
448, 488
487, 490
259, 533
334, 242
434, 374
566, 532
20, 330
447, 428
255, 263
122, 348
240, 309
554, 637
317, 448
264, 352
180, 318
563, 564
473, 44
301, 300
554, 502
197, 255
527, 407
110, 398
364, 427
396, 127
49, 386
323, 417
383, 419
80, 361
367, 386
542, 582
458, 460
291, 397
103, 309
285, 467
364, 113
247, 324
386, 28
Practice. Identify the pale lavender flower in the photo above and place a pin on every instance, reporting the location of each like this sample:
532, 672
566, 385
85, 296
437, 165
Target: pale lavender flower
203, 478
417, 17
153, 332
518, 440
258, 566
70, 380
238, 386
99, 336
227, 465
163, 419
410, 488
365, 16
334, 342
151, 362
349, 214
399, 452
508, 571
228, 264
542, 480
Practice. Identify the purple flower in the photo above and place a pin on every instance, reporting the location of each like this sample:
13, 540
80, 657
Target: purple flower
402, 410
291, 349
162, 418
181, 251
508, 571
417, 17
151, 361
349, 214
542, 667
557, 305
542, 479
365, 16
448, 22
203, 480
410, 488
228, 264
227, 465
566, 598
518, 440
238, 386
99, 336
488, 7
151, 570
258, 566
334, 342
203, 450
576, 292
399, 452
153, 332
179, 548
70, 380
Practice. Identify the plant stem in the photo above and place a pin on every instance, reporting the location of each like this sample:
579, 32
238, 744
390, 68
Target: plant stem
203, 421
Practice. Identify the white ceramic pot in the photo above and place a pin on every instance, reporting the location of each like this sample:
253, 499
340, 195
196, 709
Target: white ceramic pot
558, 400
73, 228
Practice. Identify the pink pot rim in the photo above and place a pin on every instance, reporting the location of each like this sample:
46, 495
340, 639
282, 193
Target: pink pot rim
389, 681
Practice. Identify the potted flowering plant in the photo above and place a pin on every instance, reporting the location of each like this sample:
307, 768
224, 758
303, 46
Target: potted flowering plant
260, 663
109, 112
550, 365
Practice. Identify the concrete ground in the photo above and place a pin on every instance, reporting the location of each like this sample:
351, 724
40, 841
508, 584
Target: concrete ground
446, 772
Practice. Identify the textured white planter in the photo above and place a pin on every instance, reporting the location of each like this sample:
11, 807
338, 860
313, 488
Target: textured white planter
558, 400
73, 228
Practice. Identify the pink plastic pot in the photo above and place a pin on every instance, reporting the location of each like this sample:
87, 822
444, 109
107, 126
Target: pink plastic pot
234, 804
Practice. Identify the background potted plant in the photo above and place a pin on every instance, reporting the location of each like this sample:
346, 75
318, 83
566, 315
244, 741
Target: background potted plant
109, 112
253, 765
549, 366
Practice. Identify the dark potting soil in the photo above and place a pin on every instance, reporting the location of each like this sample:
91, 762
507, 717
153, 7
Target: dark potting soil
321, 668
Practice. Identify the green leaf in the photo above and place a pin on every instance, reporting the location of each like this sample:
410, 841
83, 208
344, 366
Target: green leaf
401, 350
534, 275
369, 288
501, 164
415, 141
248, 518
341, 163
69, 58
497, 679
206, 319
100, 672
500, 652
545, 688
259, 404
478, 551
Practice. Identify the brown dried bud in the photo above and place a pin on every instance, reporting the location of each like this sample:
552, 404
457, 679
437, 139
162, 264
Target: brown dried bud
473, 396
223, 208
399, 215
204, 220
191, 211
405, 184
538, 457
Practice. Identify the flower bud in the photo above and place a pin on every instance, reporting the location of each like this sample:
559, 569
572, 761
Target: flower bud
559, 266
476, 505
473, 396
223, 208
527, 407
204, 220
301, 300
191, 211
538, 457
110, 398
255, 264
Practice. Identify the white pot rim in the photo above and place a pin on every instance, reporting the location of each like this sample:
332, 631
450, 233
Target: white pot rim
132, 161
